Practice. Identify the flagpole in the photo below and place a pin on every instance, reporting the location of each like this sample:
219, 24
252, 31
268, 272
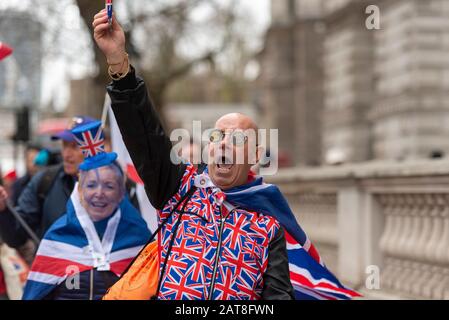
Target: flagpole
104, 114
23, 223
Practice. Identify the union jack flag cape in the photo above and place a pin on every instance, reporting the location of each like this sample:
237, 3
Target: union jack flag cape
308, 274
72, 243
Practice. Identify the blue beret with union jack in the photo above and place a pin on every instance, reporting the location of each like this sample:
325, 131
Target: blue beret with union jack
90, 139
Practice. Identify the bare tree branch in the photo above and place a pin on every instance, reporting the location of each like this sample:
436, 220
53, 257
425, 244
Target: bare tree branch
164, 28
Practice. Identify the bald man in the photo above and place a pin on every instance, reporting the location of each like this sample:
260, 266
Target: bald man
209, 247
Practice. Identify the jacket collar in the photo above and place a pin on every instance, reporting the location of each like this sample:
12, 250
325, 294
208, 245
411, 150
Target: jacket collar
214, 194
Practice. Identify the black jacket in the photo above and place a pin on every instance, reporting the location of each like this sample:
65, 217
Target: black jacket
150, 149
37, 213
18, 187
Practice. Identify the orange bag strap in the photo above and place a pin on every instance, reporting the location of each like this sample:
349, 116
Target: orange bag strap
188, 195
186, 199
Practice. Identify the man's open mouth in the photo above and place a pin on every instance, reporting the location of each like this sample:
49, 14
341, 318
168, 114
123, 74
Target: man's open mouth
224, 164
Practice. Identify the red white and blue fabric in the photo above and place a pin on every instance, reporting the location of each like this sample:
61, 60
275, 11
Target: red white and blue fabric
243, 258
309, 276
5, 50
91, 140
71, 246
108, 5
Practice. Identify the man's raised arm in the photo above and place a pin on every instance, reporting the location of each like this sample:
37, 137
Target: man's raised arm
137, 119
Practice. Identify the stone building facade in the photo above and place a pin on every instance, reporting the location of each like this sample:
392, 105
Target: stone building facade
381, 225
290, 84
340, 91
411, 112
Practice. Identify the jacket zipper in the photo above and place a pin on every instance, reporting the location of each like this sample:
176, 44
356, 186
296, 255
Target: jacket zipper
217, 258
91, 296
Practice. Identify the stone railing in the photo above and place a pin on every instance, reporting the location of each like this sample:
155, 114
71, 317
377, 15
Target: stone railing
387, 217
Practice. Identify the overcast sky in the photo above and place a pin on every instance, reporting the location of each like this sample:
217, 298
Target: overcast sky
261, 9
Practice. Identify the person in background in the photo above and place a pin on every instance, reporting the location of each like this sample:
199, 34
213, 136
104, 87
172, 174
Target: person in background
44, 198
31, 151
13, 267
9, 179
37, 159
97, 237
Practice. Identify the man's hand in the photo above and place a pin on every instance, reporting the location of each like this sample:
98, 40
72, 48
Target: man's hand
111, 41
3, 198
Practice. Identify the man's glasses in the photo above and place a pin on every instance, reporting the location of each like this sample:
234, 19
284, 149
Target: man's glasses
238, 138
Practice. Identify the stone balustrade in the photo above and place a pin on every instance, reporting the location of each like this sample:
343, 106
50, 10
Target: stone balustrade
390, 216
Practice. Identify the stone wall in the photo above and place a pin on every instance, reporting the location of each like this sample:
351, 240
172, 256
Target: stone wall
411, 109
392, 217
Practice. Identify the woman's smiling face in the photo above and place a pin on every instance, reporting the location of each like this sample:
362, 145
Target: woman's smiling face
101, 191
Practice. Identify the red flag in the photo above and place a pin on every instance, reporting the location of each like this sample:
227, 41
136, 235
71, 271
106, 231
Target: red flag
4, 51
132, 173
